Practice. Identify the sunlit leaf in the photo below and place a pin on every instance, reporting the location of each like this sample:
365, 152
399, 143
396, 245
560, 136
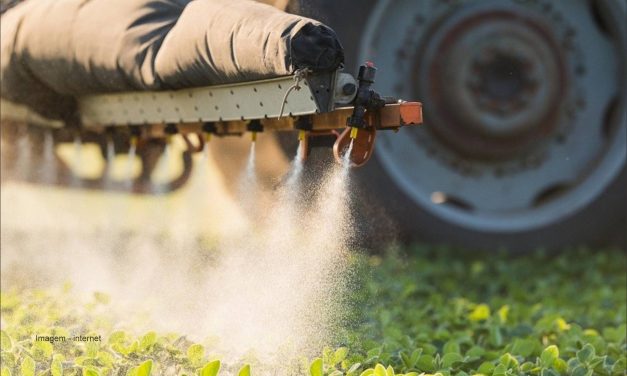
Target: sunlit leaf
90, 371
315, 368
339, 355
480, 313
195, 353
379, 370
27, 368
211, 369
145, 368
5, 341
244, 371
549, 355
56, 367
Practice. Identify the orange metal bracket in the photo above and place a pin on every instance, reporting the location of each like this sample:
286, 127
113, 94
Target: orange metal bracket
389, 117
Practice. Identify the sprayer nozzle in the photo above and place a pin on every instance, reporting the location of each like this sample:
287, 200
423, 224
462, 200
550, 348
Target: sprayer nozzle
354, 131
207, 136
134, 141
302, 135
254, 136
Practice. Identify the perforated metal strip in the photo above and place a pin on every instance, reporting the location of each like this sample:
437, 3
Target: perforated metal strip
244, 101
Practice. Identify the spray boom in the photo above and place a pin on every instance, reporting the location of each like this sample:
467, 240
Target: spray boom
317, 105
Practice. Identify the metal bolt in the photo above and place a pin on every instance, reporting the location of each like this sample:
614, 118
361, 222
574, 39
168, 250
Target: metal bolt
349, 89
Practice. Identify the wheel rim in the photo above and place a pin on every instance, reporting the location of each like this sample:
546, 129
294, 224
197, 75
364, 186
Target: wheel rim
524, 114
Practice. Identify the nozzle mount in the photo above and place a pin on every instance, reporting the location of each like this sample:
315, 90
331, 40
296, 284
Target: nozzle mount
171, 129
255, 126
366, 99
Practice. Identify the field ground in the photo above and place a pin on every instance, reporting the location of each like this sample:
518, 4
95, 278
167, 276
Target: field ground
418, 310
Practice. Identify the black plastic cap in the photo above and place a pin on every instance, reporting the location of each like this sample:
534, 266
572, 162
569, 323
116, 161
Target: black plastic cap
316, 47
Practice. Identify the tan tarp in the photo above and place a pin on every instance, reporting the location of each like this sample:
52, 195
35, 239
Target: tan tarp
54, 50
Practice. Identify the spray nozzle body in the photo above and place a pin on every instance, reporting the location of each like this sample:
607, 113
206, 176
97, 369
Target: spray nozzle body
254, 127
209, 129
170, 130
366, 98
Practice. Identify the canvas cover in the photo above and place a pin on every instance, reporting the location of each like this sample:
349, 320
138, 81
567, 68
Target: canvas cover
54, 50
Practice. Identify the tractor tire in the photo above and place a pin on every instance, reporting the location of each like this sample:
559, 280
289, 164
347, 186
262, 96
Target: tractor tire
524, 140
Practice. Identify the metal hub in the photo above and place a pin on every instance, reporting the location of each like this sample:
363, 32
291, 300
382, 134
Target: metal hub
501, 70
524, 112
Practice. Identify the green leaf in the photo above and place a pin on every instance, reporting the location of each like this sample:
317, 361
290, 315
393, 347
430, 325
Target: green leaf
508, 360
561, 324
596, 361
503, 313
56, 367
560, 366
480, 313
527, 367
548, 372
389, 371
549, 355
91, 349
620, 366
405, 359
415, 355
379, 370
486, 368
195, 353
448, 360
339, 355
315, 368
148, 340
615, 334
477, 351
79, 360
368, 372
410, 361
27, 368
496, 338
500, 370
451, 347
145, 368
426, 363
90, 371
118, 337
353, 369
586, 353
524, 347
244, 371
42, 350
105, 358
120, 348
210, 369
5, 341
581, 370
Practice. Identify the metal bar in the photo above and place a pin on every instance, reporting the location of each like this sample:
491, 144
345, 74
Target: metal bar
12, 111
231, 107
243, 101
392, 116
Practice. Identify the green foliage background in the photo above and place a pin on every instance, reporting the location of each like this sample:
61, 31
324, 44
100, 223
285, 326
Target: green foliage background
425, 310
